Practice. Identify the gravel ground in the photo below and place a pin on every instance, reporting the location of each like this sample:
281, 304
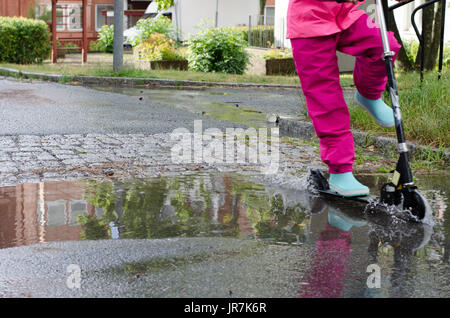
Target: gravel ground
54, 157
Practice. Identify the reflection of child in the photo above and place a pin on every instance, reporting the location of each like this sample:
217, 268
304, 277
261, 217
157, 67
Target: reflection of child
317, 29
326, 278
331, 260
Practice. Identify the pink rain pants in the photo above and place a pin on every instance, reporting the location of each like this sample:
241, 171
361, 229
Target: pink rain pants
317, 66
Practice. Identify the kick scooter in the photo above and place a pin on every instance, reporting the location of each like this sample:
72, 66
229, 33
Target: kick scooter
401, 188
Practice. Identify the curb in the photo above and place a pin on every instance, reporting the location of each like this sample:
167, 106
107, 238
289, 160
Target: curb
132, 81
305, 130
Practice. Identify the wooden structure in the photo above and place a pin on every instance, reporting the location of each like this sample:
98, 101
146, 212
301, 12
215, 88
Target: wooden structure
84, 41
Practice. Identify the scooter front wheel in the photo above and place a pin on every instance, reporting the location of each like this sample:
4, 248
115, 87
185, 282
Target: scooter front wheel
416, 203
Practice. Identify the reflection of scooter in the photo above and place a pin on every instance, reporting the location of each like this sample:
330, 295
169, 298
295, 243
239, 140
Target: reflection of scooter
333, 248
401, 189
405, 239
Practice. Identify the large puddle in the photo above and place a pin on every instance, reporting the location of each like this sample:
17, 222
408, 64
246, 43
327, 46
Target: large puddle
413, 258
245, 106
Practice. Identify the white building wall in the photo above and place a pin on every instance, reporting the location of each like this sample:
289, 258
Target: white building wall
231, 13
281, 8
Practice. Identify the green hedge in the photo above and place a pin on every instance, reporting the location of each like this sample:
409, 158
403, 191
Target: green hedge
24, 41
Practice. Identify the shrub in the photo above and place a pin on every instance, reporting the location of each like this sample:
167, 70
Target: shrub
218, 50
157, 47
24, 41
412, 47
147, 27
106, 38
70, 45
95, 46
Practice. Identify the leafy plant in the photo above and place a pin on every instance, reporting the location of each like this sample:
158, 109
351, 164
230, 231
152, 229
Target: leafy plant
218, 50
93, 228
106, 38
95, 46
146, 27
412, 49
157, 47
165, 4
71, 45
24, 41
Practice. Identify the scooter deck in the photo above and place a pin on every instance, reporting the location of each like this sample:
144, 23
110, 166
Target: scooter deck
363, 199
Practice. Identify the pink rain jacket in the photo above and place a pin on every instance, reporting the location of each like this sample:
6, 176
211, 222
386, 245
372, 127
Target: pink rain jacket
312, 18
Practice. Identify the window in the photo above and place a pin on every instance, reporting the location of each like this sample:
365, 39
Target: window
270, 16
74, 17
77, 208
56, 213
100, 18
69, 17
44, 12
60, 19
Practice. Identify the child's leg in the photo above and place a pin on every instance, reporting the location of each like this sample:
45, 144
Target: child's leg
363, 40
317, 67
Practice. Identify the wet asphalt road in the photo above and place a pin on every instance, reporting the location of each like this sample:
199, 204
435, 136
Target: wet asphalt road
39, 108
189, 267
49, 108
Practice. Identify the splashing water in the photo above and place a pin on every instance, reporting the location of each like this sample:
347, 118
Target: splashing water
286, 180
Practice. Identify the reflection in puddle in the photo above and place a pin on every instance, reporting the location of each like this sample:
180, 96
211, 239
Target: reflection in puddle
345, 236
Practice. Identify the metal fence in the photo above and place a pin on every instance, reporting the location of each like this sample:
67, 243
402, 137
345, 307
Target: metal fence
261, 31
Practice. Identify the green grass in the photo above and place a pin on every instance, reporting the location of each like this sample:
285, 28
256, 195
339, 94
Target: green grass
425, 110
362, 158
98, 70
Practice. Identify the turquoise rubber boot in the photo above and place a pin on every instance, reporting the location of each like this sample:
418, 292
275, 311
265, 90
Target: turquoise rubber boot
342, 221
346, 185
380, 112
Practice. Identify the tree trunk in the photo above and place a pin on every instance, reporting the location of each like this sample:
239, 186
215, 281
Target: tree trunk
431, 35
262, 5
402, 57
436, 39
